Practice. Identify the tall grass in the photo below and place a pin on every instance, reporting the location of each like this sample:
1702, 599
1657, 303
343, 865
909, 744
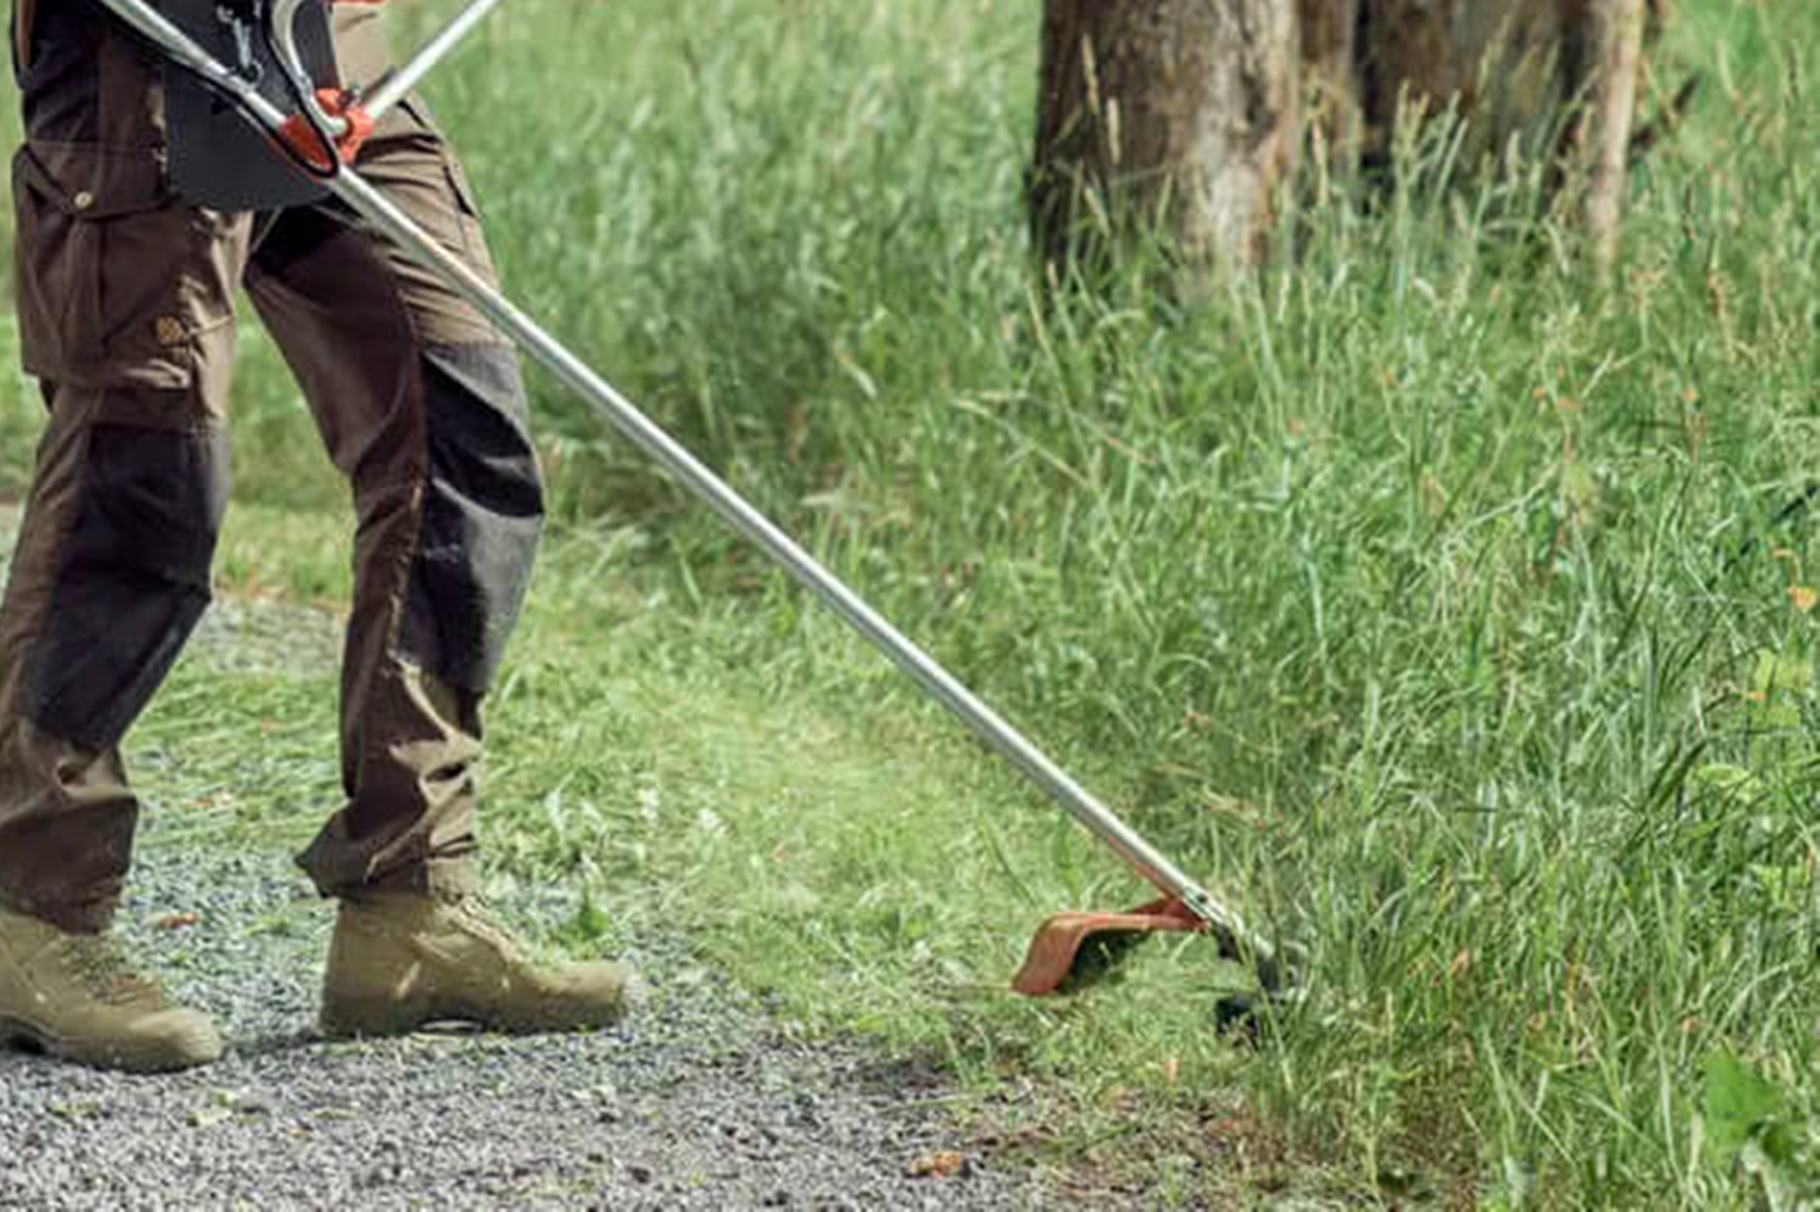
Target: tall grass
1438, 603
1435, 598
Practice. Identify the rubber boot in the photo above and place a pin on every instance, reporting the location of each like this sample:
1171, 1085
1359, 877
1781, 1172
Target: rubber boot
399, 961
75, 997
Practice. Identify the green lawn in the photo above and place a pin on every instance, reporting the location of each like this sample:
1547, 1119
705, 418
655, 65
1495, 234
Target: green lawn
1434, 603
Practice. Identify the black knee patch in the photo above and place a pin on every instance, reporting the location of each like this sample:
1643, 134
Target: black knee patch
134, 577
482, 513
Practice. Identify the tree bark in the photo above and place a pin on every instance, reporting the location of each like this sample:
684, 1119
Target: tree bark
1180, 117
1494, 62
1177, 116
1511, 68
1614, 44
1329, 32
1504, 63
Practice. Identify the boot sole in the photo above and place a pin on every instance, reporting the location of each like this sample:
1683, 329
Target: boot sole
377, 1018
370, 1019
144, 1056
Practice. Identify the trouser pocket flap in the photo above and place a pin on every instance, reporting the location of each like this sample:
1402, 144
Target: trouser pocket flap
90, 181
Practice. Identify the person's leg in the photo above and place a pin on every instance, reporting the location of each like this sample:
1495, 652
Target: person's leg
125, 309
420, 403
125, 312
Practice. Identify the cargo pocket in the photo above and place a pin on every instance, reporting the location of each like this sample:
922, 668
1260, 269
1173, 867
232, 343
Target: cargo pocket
473, 240
454, 217
110, 268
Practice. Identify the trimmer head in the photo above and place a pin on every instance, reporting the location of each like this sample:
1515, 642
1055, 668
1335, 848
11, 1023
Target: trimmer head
1056, 948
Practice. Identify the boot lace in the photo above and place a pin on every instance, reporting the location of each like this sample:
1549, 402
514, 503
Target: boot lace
102, 969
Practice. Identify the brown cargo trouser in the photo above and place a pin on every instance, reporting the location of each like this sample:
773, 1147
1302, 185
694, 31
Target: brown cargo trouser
126, 315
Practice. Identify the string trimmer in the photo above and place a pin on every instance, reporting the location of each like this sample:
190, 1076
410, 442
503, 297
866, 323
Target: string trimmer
295, 116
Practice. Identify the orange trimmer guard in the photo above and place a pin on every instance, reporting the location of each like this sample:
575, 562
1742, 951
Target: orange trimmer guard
1058, 940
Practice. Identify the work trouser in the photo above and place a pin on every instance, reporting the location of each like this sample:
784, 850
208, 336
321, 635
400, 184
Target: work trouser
126, 315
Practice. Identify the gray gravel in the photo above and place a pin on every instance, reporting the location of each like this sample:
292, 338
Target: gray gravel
702, 1102
266, 636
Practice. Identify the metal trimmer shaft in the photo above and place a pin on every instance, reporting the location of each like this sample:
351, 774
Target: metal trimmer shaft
376, 209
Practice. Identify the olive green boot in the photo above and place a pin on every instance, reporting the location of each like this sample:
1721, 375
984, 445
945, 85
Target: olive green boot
75, 997
401, 960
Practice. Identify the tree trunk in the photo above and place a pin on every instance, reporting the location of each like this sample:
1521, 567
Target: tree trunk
1614, 46
1496, 63
1511, 68
1180, 117
1177, 116
1330, 31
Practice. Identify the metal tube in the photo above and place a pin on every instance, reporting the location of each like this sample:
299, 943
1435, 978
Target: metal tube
396, 83
985, 723
375, 208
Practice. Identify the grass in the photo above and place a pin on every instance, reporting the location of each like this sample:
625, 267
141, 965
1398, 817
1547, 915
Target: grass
1436, 603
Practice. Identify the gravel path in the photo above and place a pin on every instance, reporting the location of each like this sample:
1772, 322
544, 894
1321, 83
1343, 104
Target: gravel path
702, 1102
